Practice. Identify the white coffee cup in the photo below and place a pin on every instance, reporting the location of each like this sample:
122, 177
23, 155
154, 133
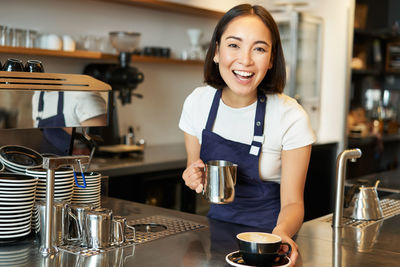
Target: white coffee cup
69, 43
50, 41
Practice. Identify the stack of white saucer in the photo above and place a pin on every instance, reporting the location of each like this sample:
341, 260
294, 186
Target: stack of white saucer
92, 193
63, 183
17, 196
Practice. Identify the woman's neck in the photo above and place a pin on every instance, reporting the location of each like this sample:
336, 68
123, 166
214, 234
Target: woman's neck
237, 101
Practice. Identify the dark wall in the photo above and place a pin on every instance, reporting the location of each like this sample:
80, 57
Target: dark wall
320, 185
394, 12
377, 13
24, 137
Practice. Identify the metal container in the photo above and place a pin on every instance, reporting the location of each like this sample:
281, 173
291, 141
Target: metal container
60, 227
77, 228
98, 227
365, 204
119, 226
220, 181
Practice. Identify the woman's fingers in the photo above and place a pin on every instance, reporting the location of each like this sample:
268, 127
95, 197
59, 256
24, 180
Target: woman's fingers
193, 176
199, 188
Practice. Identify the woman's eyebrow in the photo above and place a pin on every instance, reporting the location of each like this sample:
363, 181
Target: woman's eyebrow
240, 39
262, 42
233, 37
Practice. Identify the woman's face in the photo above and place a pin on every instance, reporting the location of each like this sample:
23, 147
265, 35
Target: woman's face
244, 54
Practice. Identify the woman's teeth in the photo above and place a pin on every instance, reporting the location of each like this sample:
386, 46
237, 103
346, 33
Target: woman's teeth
243, 75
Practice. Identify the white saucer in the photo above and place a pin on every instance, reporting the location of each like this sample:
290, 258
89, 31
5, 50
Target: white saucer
20, 192
27, 232
16, 208
231, 256
5, 185
13, 214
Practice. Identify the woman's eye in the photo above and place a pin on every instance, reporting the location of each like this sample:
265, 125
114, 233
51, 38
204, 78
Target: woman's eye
233, 45
260, 49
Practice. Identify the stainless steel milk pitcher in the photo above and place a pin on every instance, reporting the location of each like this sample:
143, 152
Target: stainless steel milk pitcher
98, 227
220, 180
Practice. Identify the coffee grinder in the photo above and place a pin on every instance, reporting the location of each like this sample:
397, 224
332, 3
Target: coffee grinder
122, 78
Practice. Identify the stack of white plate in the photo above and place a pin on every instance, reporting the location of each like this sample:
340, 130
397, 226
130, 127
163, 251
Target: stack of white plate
17, 196
63, 183
92, 193
17, 159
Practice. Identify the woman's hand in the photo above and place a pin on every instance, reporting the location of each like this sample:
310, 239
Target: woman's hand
286, 239
193, 176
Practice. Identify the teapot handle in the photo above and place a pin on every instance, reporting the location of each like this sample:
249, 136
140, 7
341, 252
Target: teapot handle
349, 196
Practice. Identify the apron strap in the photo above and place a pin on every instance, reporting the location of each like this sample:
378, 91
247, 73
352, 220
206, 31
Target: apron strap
60, 103
41, 101
213, 111
258, 138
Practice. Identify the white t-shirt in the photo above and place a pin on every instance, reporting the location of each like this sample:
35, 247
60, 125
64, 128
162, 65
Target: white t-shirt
78, 106
286, 126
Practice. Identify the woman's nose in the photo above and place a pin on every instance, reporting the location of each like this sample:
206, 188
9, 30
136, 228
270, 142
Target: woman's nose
245, 57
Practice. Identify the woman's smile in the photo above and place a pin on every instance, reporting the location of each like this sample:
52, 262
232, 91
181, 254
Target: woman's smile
243, 76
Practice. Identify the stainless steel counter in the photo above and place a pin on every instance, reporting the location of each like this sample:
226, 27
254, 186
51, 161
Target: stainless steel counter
375, 245
154, 158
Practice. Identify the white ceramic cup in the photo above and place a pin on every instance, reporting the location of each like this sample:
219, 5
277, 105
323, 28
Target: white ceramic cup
69, 43
50, 41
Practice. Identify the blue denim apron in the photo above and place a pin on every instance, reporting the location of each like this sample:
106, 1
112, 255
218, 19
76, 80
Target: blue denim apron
257, 203
56, 140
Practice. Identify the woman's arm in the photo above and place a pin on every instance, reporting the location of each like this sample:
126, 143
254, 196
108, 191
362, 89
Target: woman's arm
193, 175
293, 177
192, 148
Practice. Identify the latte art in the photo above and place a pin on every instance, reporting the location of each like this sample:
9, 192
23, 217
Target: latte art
258, 237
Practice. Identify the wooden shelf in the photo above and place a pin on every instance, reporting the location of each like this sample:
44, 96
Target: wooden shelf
91, 55
170, 7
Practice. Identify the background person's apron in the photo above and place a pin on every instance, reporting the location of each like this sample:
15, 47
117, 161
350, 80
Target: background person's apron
55, 140
256, 203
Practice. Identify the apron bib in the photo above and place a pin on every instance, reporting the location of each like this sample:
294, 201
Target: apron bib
55, 140
256, 203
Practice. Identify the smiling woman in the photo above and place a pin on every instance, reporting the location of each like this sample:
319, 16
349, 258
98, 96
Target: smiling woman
243, 117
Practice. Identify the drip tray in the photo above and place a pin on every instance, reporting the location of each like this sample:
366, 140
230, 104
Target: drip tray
390, 208
155, 227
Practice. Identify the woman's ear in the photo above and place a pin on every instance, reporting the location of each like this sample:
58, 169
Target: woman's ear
216, 55
271, 62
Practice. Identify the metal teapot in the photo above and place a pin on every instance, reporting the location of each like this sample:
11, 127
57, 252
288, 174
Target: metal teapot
365, 204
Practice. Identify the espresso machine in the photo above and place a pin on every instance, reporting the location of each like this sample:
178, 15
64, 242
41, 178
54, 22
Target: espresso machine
123, 79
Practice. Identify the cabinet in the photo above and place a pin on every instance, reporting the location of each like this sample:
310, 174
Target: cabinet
375, 88
301, 37
376, 56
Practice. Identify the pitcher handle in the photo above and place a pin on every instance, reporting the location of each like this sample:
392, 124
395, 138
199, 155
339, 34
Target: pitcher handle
77, 227
134, 233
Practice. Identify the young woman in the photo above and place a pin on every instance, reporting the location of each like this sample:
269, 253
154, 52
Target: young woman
242, 116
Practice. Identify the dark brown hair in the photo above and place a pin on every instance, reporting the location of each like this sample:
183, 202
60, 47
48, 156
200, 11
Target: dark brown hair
275, 79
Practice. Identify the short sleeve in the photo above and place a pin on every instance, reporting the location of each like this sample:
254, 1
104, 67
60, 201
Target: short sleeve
298, 132
89, 105
186, 122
